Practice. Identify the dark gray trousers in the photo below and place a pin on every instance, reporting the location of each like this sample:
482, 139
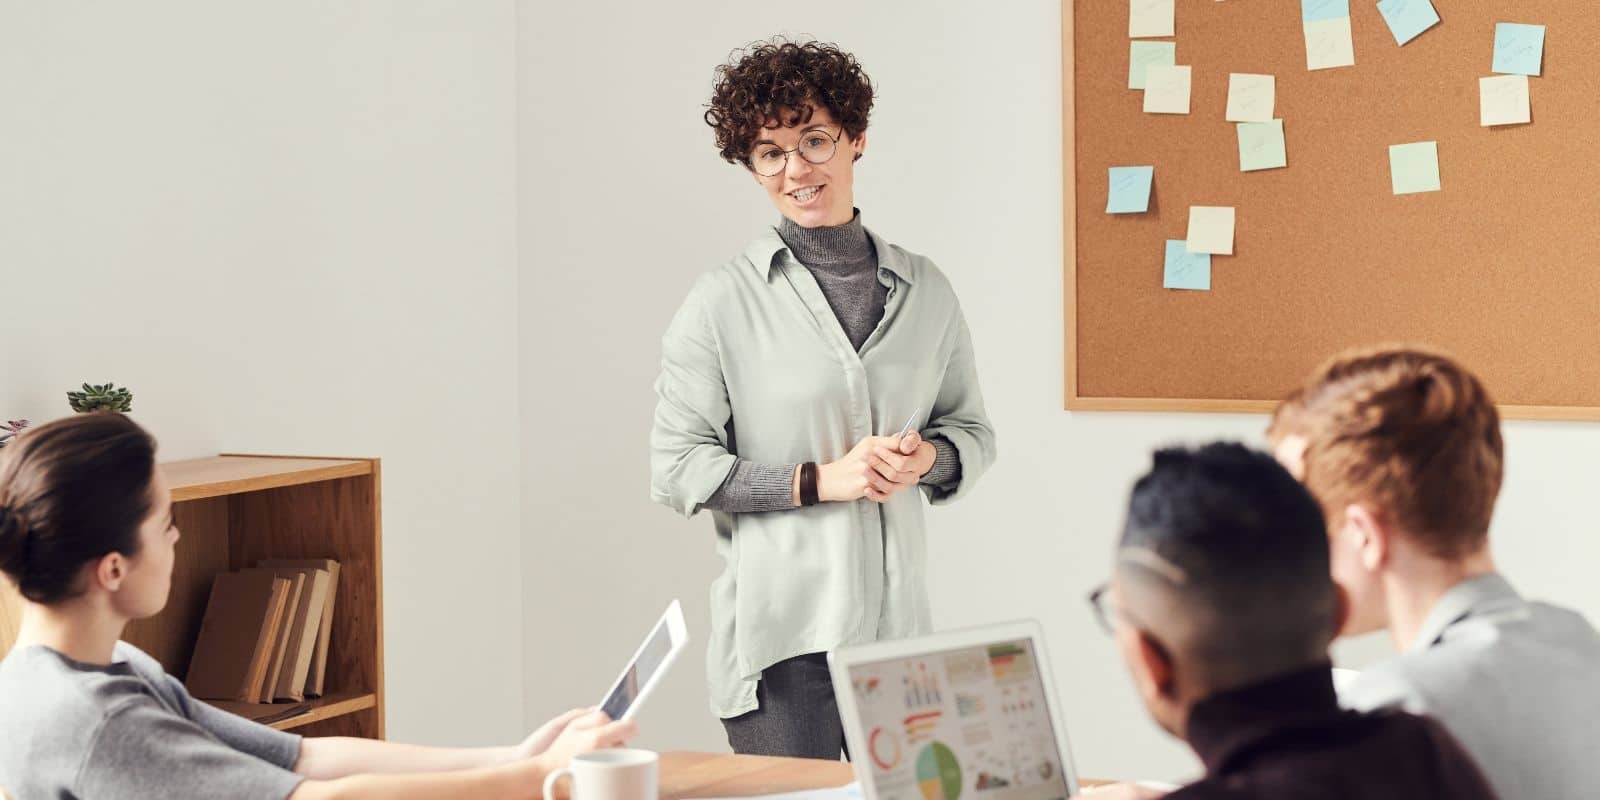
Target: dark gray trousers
797, 714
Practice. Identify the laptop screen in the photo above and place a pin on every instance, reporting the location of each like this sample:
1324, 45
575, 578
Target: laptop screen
966, 723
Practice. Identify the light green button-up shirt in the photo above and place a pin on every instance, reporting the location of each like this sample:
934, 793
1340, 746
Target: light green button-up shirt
756, 365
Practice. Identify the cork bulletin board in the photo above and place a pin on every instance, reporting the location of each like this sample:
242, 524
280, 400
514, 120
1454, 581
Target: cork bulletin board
1501, 267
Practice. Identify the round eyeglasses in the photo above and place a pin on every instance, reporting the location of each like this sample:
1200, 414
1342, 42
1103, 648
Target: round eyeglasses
815, 146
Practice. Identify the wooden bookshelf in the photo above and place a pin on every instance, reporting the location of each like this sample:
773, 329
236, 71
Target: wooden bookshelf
233, 511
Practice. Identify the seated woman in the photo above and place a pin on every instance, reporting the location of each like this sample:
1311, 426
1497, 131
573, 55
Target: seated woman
86, 534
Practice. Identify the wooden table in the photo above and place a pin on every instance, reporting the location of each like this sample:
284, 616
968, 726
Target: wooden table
686, 775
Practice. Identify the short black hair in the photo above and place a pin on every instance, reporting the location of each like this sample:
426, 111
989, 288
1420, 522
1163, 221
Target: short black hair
1249, 548
72, 491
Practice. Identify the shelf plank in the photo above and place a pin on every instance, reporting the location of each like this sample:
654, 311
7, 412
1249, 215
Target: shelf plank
225, 475
322, 708
333, 705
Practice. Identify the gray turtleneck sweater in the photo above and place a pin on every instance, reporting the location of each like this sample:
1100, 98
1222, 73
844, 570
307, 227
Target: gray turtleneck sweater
845, 265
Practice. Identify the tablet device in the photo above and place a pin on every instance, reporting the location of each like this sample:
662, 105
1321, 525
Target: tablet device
648, 664
964, 714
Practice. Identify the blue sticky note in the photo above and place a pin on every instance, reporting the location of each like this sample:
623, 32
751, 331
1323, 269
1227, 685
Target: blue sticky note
1414, 167
1130, 190
1318, 10
1186, 270
1261, 146
1407, 19
1518, 49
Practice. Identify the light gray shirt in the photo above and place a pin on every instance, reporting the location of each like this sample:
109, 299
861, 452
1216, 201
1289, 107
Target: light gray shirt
845, 265
1517, 682
129, 731
756, 365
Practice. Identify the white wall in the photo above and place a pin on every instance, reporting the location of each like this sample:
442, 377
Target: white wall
289, 227
625, 201
294, 227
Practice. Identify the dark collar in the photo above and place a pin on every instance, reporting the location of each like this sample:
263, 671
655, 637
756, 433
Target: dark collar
1229, 727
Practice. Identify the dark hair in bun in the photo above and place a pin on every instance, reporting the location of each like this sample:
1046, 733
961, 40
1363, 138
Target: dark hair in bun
72, 491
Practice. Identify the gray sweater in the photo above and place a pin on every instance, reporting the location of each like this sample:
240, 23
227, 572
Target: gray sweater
843, 261
128, 730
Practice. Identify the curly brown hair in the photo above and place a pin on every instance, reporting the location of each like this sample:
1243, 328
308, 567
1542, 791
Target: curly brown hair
778, 83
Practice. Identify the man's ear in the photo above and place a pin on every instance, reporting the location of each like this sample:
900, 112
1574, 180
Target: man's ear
860, 145
1370, 534
1152, 666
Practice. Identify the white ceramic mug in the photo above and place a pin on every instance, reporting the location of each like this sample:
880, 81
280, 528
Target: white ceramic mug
620, 774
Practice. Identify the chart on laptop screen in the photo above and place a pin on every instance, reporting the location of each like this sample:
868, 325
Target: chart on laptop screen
965, 723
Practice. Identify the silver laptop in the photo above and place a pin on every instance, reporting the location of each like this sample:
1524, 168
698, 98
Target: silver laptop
964, 714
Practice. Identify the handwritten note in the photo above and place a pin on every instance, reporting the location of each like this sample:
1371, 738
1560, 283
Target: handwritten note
1130, 190
1261, 146
1144, 54
1407, 19
1211, 230
1166, 90
1503, 100
1518, 49
1147, 18
1414, 167
1329, 44
1251, 98
1186, 270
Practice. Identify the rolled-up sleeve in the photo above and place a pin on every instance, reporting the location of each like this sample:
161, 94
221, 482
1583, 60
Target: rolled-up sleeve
958, 417
689, 456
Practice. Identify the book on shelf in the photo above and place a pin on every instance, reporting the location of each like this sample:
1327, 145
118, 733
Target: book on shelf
264, 636
233, 647
301, 635
283, 629
317, 674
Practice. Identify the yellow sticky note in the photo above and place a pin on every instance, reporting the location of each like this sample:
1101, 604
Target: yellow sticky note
1503, 100
1166, 89
1329, 44
1211, 230
1147, 18
1251, 98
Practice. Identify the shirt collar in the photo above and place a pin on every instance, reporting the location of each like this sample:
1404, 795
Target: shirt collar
1471, 596
764, 252
1227, 728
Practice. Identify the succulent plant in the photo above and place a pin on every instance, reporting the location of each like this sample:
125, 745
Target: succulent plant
105, 397
11, 429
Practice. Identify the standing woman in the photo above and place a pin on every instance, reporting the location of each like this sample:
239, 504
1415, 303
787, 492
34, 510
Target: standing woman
786, 377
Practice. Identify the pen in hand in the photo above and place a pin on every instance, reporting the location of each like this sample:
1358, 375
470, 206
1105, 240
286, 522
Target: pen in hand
907, 427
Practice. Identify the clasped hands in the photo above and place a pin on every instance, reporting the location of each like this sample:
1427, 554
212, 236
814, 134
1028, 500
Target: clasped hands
877, 468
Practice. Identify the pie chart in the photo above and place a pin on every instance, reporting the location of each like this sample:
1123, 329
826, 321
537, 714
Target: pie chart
938, 773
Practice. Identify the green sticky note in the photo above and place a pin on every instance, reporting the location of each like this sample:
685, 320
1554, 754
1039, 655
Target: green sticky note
1414, 167
1143, 54
1261, 146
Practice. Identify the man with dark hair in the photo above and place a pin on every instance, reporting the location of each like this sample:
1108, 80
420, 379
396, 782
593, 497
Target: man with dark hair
1222, 606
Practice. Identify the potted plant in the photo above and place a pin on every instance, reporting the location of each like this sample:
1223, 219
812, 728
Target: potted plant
104, 397
9, 430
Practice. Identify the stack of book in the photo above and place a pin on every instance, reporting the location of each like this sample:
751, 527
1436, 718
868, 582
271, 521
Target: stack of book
264, 637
